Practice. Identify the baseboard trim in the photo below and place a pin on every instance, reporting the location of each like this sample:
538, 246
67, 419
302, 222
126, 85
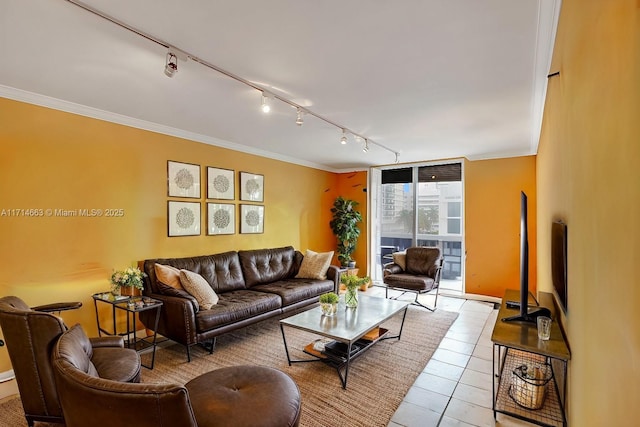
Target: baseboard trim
7, 376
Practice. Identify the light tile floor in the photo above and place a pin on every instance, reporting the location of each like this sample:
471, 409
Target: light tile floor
455, 387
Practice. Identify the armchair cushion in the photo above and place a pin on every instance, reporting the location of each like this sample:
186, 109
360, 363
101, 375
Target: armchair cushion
114, 363
80, 352
400, 258
410, 282
422, 261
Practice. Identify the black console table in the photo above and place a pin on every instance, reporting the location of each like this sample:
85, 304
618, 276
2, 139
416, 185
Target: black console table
517, 343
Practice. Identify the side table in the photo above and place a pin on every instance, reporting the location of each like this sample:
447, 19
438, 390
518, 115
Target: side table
131, 306
517, 344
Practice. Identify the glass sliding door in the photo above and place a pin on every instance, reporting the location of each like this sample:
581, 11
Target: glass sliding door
422, 206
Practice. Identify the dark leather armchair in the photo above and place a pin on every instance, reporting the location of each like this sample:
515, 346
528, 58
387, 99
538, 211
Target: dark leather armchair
239, 396
418, 271
30, 337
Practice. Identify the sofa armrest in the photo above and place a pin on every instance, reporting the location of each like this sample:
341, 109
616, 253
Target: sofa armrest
109, 341
177, 319
333, 274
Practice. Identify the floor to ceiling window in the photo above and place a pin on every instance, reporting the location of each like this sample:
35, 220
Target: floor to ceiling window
419, 205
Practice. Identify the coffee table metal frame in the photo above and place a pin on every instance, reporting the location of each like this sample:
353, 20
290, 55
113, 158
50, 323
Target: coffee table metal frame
347, 326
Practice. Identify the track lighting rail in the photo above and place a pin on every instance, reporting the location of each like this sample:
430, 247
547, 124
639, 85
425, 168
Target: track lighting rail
179, 53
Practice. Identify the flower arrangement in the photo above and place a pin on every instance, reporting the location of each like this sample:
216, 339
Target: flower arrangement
132, 276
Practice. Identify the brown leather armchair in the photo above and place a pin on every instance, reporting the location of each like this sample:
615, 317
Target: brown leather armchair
239, 396
418, 271
30, 337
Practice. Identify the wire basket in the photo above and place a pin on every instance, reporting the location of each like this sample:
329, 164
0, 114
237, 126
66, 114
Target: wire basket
528, 384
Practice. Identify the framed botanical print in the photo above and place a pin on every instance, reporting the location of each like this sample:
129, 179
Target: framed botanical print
183, 179
220, 184
251, 187
221, 218
183, 218
251, 219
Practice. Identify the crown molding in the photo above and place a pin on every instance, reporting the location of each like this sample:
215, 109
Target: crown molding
95, 113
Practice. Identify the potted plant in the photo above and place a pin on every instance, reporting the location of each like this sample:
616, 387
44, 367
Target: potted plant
345, 227
352, 282
127, 280
366, 283
329, 303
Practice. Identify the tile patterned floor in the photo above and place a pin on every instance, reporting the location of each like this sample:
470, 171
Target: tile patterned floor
455, 387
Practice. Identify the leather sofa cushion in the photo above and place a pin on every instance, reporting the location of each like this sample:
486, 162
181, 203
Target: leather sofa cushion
235, 306
292, 291
268, 265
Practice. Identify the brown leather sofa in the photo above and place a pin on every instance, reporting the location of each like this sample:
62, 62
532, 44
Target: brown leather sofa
239, 396
30, 337
252, 285
417, 271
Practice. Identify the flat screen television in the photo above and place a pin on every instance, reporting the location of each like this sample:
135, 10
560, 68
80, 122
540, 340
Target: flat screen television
527, 314
559, 262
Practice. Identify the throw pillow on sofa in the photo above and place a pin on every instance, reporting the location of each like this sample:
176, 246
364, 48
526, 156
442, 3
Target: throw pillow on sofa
199, 288
168, 275
315, 265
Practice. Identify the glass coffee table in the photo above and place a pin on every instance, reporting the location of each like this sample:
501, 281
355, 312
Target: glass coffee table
352, 331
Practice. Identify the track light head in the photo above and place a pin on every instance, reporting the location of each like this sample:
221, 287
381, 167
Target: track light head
171, 67
266, 107
365, 147
300, 119
343, 140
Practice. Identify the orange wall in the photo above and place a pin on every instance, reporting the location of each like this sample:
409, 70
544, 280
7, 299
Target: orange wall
492, 223
56, 160
588, 176
351, 186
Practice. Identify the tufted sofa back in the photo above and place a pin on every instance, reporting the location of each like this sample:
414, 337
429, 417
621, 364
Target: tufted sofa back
269, 265
222, 271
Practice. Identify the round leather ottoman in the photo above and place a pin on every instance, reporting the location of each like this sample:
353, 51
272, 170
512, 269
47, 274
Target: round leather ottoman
243, 396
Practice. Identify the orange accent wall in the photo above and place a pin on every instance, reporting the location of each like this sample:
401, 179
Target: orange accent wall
351, 186
56, 160
492, 223
588, 176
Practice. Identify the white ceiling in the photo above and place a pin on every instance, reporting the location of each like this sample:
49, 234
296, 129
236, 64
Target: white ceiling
430, 79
